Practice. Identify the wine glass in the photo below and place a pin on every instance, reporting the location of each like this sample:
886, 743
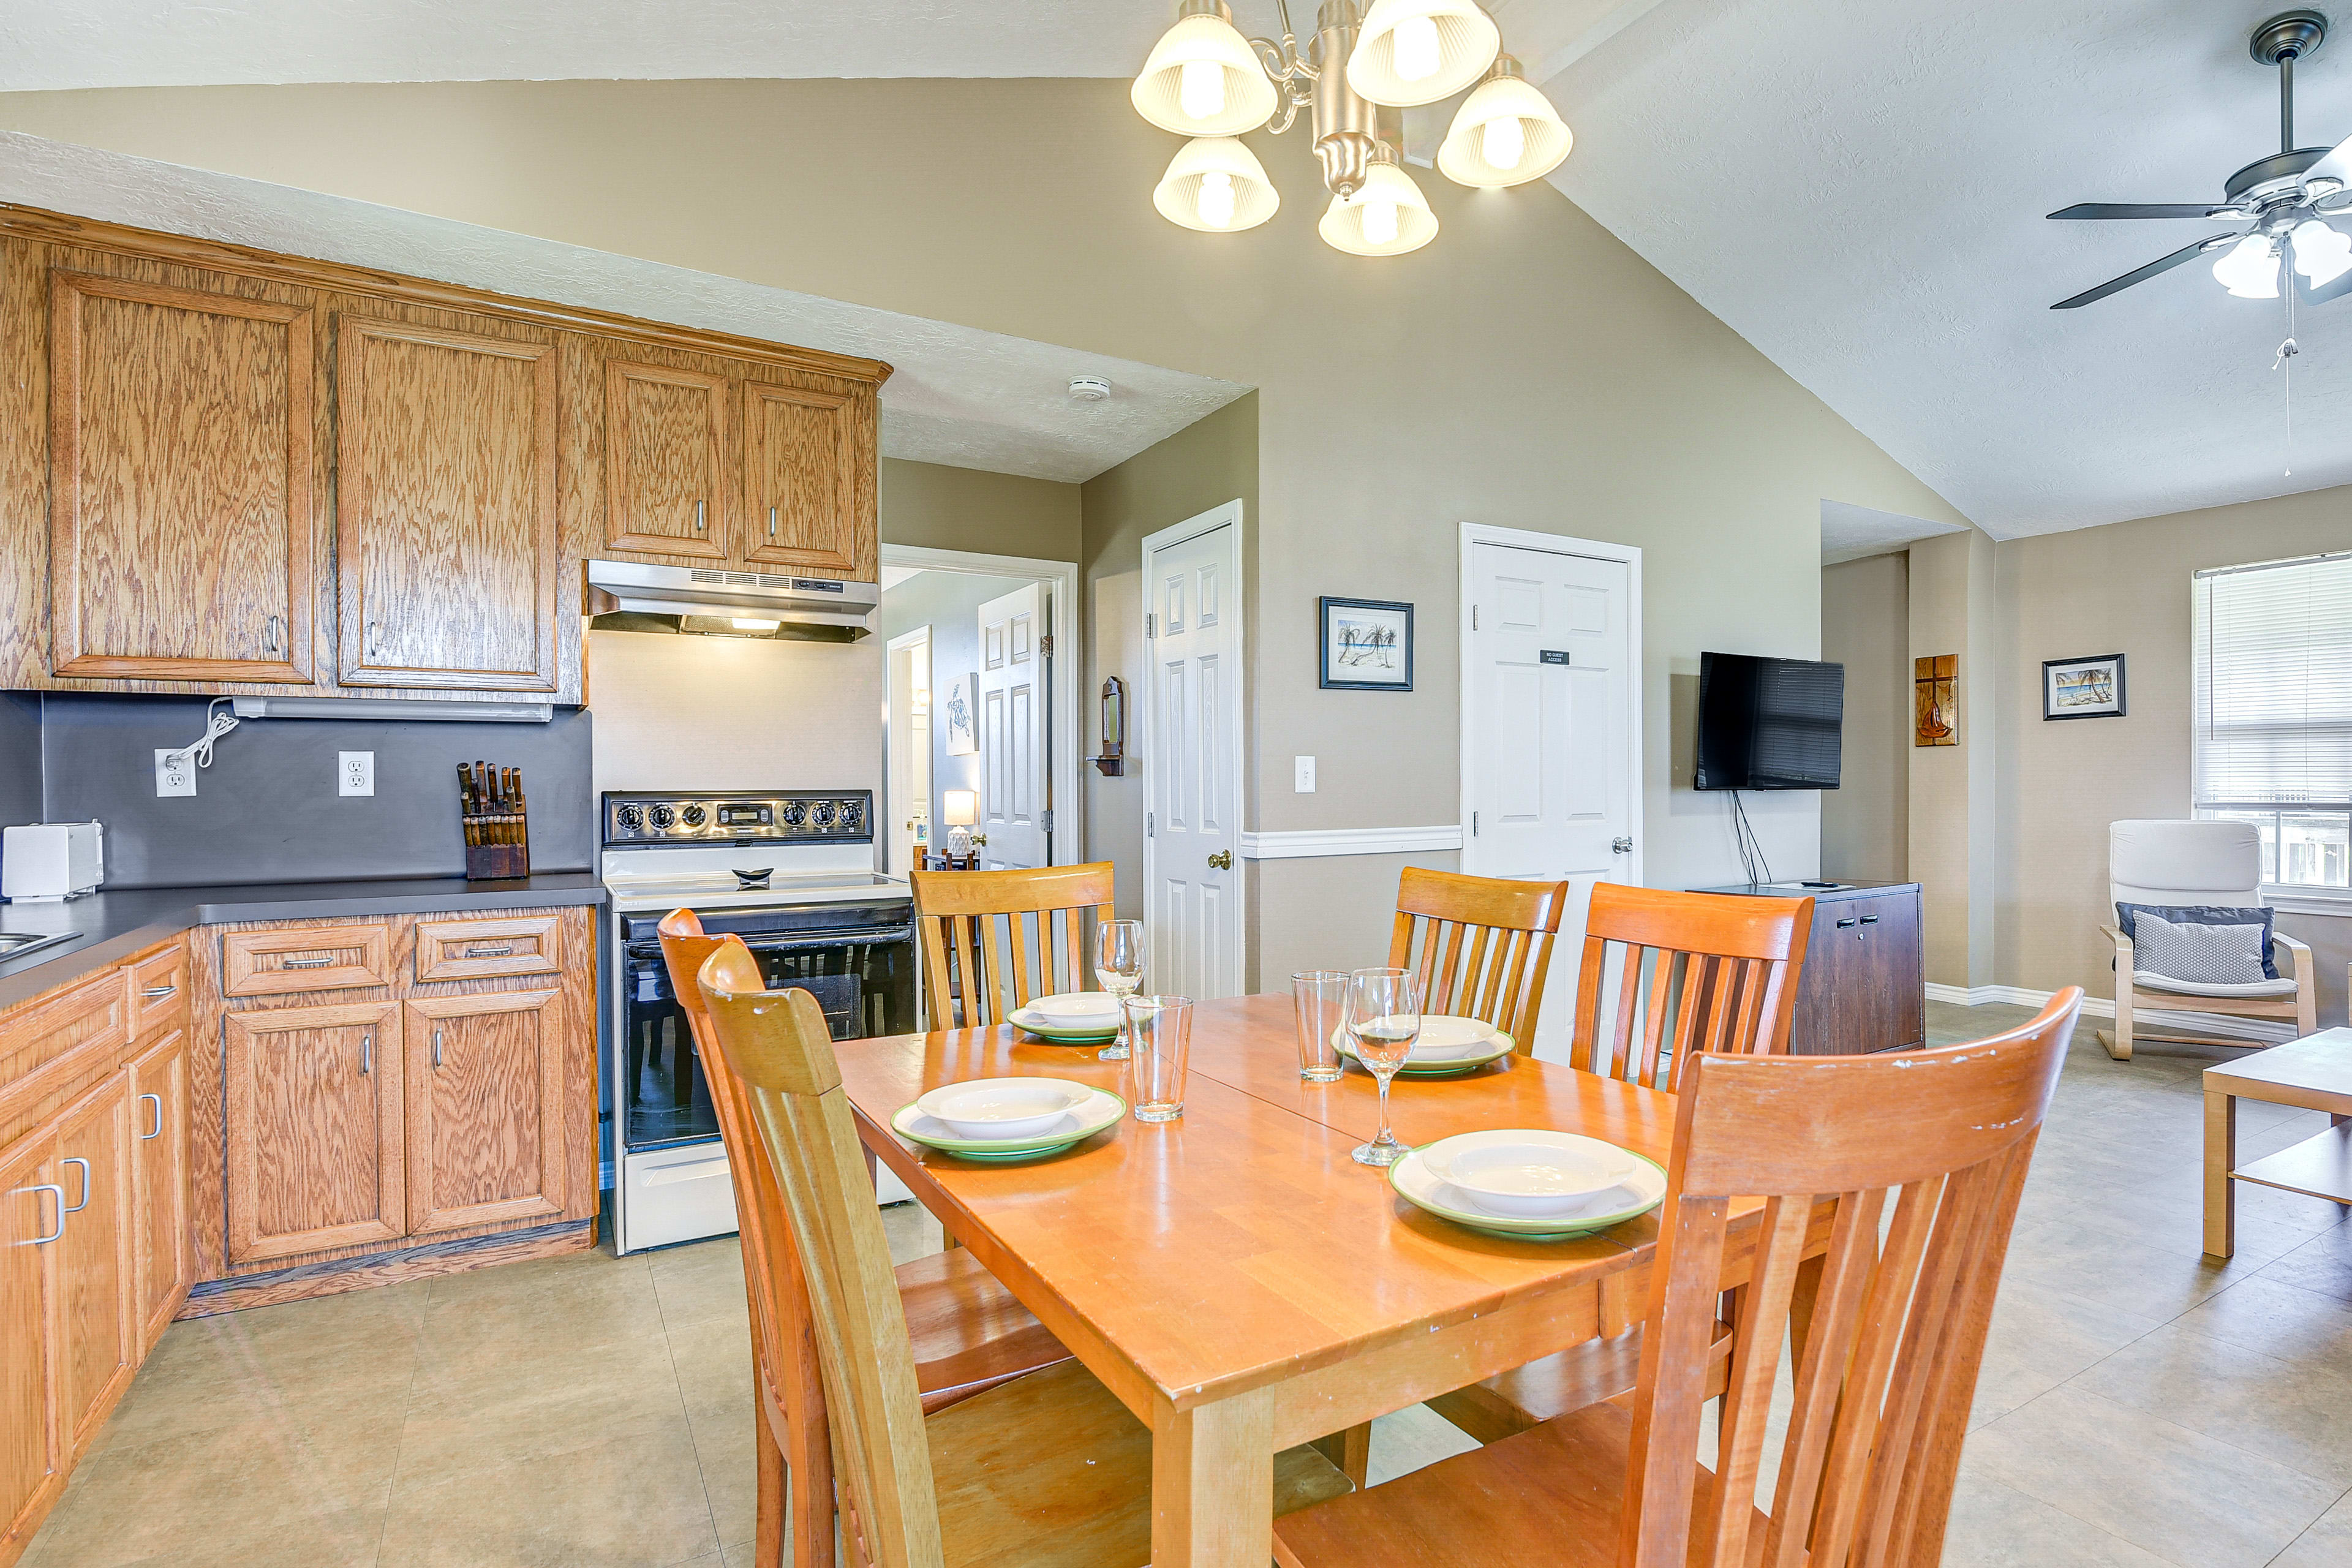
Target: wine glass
1383, 1019
1119, 968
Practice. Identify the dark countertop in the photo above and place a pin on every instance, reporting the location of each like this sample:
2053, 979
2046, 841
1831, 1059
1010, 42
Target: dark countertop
111, 927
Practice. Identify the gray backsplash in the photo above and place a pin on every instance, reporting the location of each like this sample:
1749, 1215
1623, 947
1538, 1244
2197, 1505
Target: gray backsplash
20, 756
266, 809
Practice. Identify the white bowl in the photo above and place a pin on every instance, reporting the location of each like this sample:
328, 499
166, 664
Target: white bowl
1071, 1007
1533, 1178
1003, 1107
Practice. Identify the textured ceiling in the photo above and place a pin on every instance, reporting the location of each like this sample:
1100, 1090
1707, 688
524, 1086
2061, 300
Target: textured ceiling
966, 398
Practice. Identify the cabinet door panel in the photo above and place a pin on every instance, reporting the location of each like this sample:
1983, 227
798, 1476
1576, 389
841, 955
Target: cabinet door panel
181, 473
98, 1344
666, 459
314, 1128
445, 521
30, 1447
485, 1113
800, 466
164, 1248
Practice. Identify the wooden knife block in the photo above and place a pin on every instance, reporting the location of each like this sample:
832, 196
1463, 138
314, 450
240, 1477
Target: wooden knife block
484, 861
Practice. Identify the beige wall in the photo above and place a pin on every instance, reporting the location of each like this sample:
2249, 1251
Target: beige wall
1952, 789
1865, 625
941, 508
1526, 369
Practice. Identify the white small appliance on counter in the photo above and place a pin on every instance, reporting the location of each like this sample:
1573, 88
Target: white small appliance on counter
48, 862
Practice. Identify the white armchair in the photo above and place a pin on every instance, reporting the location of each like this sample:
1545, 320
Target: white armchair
2214, 863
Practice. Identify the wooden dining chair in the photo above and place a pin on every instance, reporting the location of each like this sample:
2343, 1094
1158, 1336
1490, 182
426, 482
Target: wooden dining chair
1480, 946
1692, 972
985, 931
1929, 1147
1048, 1470
968, 1332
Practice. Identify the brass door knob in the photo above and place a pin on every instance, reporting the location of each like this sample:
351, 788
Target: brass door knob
1223, 860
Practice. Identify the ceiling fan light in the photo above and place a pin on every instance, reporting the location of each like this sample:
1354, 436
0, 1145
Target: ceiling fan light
1474, 149
1215, 184
2249, 268
1392, 62
1203, 78
2321, 254
1388, 216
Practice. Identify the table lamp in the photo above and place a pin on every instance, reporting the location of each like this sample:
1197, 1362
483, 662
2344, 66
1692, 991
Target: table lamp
960, 809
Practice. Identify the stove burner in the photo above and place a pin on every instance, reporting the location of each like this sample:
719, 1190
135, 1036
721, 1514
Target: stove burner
752, 881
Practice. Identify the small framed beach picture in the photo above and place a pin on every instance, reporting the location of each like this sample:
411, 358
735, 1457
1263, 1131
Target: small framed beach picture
1367, 645
2082, 688
964, 734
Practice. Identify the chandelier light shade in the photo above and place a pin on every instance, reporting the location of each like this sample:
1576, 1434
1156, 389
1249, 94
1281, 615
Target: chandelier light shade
2249, 268
2321, 254
1505, 133
1386, 217
1203, 78
1411, 52
1216, 186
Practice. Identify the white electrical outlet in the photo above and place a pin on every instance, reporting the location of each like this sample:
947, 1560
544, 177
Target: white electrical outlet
1302, 775
354, 772
175, 773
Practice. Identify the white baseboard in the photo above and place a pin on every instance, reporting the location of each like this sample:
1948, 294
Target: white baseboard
2266, 1030
1301, 843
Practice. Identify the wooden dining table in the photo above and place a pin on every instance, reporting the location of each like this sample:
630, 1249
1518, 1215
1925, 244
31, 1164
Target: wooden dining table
1234, 1276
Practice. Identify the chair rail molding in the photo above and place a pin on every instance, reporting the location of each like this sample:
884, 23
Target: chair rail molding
1302, 843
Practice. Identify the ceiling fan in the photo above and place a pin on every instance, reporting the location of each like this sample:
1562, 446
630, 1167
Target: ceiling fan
2284, 198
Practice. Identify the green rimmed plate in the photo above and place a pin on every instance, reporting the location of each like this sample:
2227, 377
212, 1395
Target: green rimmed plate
1413, 1181
1031, 1021
1100, 1109
1478, 1044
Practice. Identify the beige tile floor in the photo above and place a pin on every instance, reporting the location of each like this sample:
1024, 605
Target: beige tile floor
2139, 1406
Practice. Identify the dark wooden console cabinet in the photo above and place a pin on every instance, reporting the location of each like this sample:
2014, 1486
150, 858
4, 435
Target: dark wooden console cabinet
1863, 987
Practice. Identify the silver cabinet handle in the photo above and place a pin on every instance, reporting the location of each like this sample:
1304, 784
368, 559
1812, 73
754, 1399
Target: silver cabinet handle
772, 522
367, 1054
698, 517
60, 1230
501, 951
271, 638
157, 1101
1869, 920
154, 992
320, 962
1844, 923
76, 1209
436, 1047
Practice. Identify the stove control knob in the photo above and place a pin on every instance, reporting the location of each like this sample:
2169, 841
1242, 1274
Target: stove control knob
630, 818
692, 816
794, 813
664, 818
850, 814
821, 814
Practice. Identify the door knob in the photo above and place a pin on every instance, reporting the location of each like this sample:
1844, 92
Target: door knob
1223, 860
1621, 846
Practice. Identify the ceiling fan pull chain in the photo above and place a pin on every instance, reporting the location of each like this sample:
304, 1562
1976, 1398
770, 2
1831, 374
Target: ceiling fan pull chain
2286, 353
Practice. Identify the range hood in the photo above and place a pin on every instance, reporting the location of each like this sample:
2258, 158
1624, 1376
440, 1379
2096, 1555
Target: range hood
630, 595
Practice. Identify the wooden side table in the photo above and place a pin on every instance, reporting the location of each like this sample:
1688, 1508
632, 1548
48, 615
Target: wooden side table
951, 862
2316, 1073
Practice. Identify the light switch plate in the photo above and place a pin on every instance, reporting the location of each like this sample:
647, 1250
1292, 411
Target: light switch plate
354, 772
1302, 771
176, 772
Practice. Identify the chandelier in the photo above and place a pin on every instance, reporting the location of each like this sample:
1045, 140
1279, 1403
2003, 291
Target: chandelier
1205, 81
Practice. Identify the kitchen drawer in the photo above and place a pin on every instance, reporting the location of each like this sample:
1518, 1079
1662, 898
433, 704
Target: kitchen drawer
159, 992
290, 958
66, 1039
485, 949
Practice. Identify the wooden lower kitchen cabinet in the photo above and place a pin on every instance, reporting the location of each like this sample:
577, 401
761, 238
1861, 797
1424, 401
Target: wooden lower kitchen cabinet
32, 1459
313, 1128
486, 1108
98, 1338
163, 1253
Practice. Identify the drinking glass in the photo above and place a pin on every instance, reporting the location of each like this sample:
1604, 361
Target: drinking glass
1320, 996
1160, 1030
1119, 968
1383, 1019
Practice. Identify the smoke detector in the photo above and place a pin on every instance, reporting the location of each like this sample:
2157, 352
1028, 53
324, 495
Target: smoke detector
1089, 388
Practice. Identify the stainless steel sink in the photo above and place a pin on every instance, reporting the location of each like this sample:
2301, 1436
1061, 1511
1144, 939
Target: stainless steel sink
16, 943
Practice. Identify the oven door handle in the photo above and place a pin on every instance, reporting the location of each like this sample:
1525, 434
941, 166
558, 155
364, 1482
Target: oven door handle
797, 942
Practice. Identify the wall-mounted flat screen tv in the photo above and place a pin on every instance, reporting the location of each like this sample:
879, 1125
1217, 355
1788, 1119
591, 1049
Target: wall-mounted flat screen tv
1768, 724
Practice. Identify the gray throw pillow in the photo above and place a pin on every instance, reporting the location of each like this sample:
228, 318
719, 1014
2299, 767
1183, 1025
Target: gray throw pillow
2198, 954
2206, 915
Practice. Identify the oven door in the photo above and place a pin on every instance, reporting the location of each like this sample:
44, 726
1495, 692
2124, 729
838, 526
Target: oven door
863, 977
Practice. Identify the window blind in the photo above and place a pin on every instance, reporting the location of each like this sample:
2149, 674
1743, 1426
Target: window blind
2273, 677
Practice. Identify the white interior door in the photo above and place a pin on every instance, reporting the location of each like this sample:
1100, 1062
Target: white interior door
1192, 902
1012, 731
1551, 760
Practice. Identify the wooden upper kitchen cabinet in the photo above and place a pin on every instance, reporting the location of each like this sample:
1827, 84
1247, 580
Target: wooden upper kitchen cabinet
445, 519
667, 474
181, 482
487, 1108
313, 1128
807, 480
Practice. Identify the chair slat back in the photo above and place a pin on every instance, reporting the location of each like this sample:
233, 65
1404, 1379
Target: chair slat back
1930, 1148
991, 938
777, 1043
1480, 946
1690, 972
783, 1337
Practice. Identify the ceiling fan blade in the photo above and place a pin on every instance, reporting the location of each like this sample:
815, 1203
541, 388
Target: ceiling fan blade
2336, 165
2140, 209
2137, 275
